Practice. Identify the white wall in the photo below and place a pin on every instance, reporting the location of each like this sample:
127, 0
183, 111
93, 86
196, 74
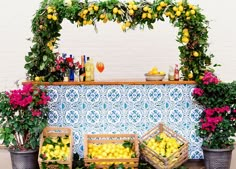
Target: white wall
126, 55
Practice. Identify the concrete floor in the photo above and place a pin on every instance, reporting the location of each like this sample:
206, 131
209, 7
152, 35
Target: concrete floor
5, 160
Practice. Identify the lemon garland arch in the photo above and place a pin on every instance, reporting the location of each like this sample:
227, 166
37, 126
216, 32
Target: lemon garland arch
46, 24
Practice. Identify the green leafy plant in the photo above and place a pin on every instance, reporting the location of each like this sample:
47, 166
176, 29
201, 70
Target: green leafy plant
23, 115
46, 26
217, 123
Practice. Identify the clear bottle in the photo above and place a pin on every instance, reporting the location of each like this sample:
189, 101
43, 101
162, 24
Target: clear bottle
171, 73
176, 73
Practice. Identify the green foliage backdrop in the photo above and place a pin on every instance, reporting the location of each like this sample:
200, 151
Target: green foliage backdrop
46, 25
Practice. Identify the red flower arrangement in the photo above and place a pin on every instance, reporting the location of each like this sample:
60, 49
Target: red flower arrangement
217, 124
64, 64
23, 115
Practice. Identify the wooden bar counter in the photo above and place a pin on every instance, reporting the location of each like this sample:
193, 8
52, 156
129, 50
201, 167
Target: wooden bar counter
124, 106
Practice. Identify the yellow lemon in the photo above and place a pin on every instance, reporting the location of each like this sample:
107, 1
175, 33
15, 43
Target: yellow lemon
185, 39
50, 10
185, 30
115, 10
162, 4
145, 8
120, 12
159, 8
131, 12
190, 75
178, 13
187, 13
123, 27
95, 8
102, 16
144, 15
172, 16
149, 16
195, 54
49, 16
167, 14
127, 24
135, 7
54, 17
192, 12
130, 6
181, 8
188, 18
175, 8
90, 9
186, 34
131, 2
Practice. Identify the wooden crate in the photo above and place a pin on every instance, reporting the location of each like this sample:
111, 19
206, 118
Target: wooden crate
113, 139
157, 160
56, 132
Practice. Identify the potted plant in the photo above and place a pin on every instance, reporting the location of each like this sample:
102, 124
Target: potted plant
23, 116
217, 123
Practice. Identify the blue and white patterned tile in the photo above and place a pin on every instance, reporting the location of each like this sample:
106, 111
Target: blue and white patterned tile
125, 109
195, 152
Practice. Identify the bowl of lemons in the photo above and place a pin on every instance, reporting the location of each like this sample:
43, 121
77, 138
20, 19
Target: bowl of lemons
155, 75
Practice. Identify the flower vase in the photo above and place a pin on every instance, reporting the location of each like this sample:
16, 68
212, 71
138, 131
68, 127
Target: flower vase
72, 75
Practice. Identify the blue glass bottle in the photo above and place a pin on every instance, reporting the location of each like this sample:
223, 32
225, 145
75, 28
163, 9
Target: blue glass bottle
72, 72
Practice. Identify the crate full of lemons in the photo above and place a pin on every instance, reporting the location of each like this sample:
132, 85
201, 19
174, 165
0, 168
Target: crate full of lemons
55, 148
111, 150
163, 148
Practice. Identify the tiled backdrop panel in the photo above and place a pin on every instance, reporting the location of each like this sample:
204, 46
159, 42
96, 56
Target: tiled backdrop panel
125, 109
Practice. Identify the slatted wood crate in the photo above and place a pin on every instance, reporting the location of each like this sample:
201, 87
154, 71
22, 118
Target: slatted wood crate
159, 162
56, 132
115, 139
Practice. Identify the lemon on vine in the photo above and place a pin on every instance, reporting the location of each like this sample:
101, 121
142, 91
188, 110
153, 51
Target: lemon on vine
195, 54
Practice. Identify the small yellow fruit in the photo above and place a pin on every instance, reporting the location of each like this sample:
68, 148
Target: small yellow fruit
181, 8
130, 6
149, 16
186, 34
54, 17
185, 30
90, 9
120, 12
85, 11
102, 16
188, 18
192, 12
95, 8
175, 8
37, 78
131, 12
115, 10
135, 7
159, 8
145, 8
123, 27
185, 39
178, 13
167, 14
49, 16
162, 4
40, 26
187, 13
144, 15
127, 24
195, 54
190, 75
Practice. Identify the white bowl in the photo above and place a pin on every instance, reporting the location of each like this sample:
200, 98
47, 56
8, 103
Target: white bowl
157, 77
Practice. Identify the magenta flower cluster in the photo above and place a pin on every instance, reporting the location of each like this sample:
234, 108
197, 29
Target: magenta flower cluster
213, 116
198, 91
29, 98
210, 78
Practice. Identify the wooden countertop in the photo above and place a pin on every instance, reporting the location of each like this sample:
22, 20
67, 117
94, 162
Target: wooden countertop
114, 82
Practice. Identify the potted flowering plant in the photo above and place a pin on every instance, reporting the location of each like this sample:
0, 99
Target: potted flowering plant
23, 116
217, 123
